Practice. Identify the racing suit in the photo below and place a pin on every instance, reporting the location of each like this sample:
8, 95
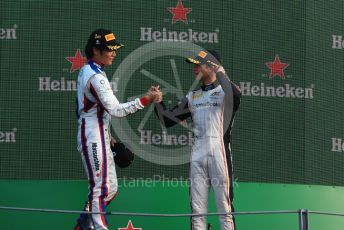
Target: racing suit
96, 103
212, 109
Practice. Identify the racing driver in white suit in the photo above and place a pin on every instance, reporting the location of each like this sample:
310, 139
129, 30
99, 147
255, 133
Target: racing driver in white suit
212, 108
96, 103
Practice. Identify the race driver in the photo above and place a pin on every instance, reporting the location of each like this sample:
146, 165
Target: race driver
96, 103
212, 108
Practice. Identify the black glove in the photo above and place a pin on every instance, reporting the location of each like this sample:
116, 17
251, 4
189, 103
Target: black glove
122, 155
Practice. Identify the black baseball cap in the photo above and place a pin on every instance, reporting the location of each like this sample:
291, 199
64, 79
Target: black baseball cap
104, 39
210, 57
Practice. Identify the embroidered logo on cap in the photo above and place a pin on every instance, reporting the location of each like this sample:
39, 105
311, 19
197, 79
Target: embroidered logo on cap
116, 47
202, 54
97, 38
110, 37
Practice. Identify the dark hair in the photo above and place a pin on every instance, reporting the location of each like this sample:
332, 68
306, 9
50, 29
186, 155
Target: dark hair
89, 49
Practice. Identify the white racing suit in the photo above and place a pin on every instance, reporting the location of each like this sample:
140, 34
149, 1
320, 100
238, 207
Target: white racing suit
96, 103
212, 109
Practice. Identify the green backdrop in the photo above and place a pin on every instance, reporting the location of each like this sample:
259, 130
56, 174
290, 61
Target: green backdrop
286, 56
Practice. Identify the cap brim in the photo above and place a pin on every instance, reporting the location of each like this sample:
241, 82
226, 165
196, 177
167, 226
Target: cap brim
115, 46
192, 61
200, 61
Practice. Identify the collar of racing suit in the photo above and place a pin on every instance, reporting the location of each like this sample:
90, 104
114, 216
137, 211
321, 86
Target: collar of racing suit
210, 86
95, 64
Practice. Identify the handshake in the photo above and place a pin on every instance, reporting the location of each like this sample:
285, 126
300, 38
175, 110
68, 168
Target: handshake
154, 94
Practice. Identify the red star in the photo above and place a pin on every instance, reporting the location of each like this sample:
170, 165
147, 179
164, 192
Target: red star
277, 67
179, 12
129, 227
77, 61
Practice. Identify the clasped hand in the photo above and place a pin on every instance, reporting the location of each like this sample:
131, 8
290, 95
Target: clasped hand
155, 94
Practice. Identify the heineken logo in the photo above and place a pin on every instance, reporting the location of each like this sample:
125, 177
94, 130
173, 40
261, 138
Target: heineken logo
337, 145
190, 35
62, 84
179, 15
130, 226
8, 136
77, 61
9, 33
337, 42
179, 12
286, 90
148, 137
276, 67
